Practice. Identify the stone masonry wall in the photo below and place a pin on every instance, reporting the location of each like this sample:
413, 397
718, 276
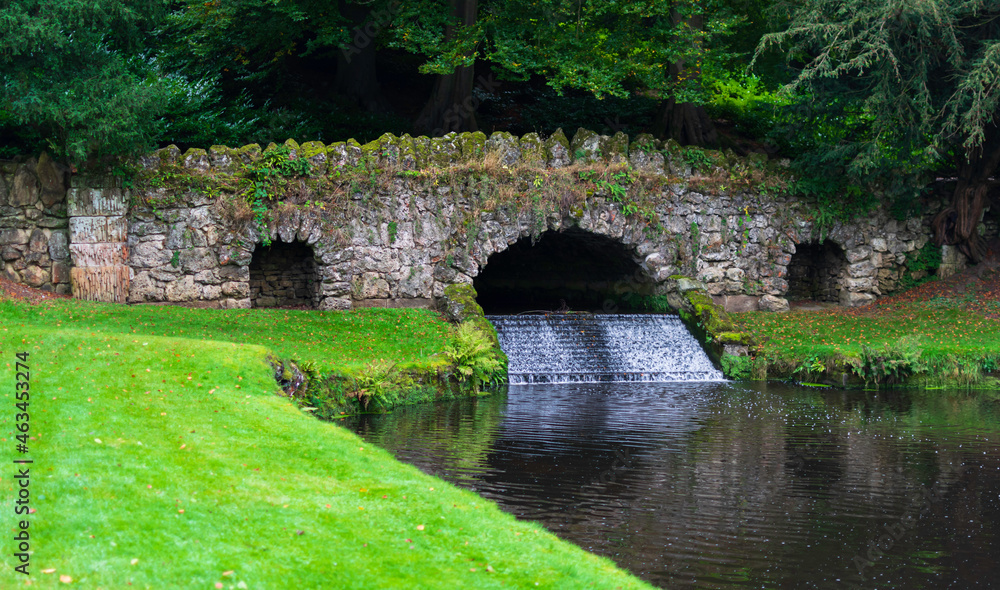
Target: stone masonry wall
34, 242
403, 241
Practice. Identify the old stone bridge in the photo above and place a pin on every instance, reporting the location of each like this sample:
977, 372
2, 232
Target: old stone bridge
532, 223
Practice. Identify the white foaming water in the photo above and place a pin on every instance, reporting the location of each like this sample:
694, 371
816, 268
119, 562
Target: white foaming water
580, 348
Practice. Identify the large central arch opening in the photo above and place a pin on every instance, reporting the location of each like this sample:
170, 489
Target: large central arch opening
283, 275
568, 270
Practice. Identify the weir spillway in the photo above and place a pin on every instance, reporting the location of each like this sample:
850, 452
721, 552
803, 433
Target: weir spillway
582, 348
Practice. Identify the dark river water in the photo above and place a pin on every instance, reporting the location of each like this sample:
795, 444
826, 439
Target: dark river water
714, 485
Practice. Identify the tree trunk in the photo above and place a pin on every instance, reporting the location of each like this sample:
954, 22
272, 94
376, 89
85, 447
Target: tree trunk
451, 106
686, 123
357, 77
958, 224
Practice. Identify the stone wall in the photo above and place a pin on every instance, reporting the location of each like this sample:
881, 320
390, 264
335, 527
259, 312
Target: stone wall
34, 242
403, 239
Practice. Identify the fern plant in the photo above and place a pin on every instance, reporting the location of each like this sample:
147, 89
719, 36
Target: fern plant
474, 357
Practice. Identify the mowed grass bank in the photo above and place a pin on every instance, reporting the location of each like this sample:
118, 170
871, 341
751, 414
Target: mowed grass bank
343, 341
167, 462
936, 342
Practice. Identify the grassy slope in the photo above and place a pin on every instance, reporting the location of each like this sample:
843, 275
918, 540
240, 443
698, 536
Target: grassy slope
175, 454
334, 340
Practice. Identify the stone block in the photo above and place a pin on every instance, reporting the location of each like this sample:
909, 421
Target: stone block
34, 276
52, 180
38, 242
852, 299
861, 269
182, 289
14, 236
61, 272
532, 150
94, 230
195, 159
109, 254
585, 147
198, 259
59, 245
96, 201
505, 146
25, 190
741, 303
711, 274
773, 304
10, 252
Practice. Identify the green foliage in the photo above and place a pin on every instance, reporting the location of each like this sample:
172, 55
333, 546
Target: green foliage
650, 303
737, 368
175, 260
73, 75
393, 229
268, 176
474, 355
697, 158
925, 260
744, 99
379, 381
891, 364
861, 56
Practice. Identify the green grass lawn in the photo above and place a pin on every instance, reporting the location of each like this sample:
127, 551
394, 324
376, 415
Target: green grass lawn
947, 336
936, 328
333, 340
169, 462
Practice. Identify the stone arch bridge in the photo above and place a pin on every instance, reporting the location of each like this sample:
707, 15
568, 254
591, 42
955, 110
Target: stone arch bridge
449, 210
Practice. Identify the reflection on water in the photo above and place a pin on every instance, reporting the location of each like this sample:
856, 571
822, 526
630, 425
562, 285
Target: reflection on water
711, 485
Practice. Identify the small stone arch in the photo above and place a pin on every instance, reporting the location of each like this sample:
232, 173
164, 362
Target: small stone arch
284, 274
816, 272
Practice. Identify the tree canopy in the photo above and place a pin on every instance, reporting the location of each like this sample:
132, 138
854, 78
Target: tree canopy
916, 84
75, 75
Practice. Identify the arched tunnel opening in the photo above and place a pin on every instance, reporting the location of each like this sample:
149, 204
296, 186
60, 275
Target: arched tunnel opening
570, 270
815, 272
283, 275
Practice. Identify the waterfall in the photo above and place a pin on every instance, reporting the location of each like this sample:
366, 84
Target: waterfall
575, 348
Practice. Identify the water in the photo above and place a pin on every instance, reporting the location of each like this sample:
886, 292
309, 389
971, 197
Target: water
716, 485
580, 348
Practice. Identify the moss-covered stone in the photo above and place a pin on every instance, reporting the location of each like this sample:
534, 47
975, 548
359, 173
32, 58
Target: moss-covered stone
505, 145
248, 153
614, 149
557, 152
422, 150
644, 154
445, 151
195, 159
532, 150
408, 157
585, 147
168, 155
223, 159
293, 148
316, 153
473, 145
